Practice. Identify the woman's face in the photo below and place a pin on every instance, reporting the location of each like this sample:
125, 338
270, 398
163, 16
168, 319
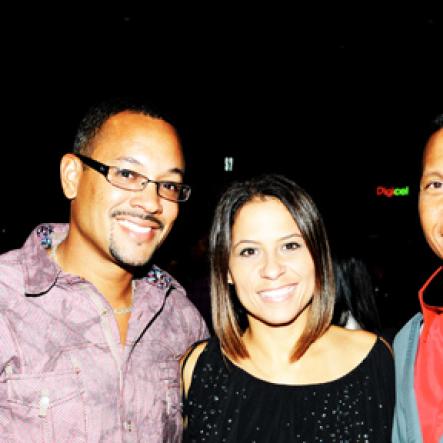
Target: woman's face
269, 264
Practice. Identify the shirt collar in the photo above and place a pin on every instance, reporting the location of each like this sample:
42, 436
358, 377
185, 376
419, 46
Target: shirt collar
41, 273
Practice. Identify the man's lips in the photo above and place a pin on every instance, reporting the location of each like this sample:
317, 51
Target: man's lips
136, 227
138, 219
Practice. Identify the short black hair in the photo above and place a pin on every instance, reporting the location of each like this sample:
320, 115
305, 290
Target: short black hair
100, 112
437, 123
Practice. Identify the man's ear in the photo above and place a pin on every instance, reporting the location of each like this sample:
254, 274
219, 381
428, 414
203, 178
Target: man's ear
71, 169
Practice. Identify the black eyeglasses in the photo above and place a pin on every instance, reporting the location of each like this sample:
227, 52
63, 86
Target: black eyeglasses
133, 181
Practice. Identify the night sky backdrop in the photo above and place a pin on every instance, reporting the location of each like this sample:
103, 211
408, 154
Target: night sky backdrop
337, 98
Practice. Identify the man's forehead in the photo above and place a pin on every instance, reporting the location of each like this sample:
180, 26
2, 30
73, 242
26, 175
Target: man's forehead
130, 128
434, 147
135, 118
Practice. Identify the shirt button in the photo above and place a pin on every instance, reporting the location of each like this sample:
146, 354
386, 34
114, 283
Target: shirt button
127, 425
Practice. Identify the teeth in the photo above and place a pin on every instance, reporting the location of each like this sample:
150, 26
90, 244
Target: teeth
135, 227
277, 293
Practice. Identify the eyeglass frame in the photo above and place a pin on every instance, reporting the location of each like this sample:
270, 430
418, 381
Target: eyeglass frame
104, 170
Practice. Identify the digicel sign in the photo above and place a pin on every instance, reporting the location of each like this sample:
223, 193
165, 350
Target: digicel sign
392, 192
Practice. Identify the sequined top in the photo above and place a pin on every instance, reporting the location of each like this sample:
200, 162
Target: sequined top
227, 404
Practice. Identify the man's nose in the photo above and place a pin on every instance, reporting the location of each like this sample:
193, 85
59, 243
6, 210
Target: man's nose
148, 199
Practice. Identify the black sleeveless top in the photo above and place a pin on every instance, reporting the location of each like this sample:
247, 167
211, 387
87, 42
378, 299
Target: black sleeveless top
227, 404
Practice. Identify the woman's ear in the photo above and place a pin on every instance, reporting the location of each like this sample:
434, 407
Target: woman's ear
71, 169
230, 281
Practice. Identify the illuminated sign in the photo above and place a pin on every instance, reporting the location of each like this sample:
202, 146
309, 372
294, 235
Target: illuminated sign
383, 191
229, 164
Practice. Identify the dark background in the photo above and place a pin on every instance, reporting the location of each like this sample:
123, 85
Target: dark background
338, 98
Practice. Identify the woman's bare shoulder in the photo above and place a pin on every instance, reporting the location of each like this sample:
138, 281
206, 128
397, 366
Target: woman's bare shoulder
357, 340
188, 362
344, 349
352, 344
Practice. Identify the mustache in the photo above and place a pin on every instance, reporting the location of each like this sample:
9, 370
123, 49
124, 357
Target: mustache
134, 214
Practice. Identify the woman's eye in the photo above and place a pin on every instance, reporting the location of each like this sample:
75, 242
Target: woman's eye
291, 246
247, 252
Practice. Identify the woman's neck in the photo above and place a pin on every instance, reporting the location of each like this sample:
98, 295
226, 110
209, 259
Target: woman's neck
274, 342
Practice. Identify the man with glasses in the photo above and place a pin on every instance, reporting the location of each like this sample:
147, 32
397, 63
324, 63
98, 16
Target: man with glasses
90, 337
418, 347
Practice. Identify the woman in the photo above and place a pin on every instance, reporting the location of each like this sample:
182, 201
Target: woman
355, 305
277, 369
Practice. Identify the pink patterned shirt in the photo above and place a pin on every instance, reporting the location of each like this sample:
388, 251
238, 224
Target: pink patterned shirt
64, 376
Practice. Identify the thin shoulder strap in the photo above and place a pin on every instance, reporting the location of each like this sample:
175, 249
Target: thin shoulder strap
387, 344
